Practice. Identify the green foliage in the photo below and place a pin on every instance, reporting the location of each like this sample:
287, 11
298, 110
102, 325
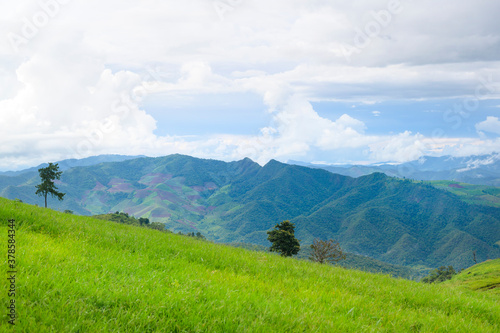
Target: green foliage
283, 239
400, 222
124, 218
119, 217
157, 226
68, 211
440, 274
197, 235
48, 175
326, 251
192, 234
80, 274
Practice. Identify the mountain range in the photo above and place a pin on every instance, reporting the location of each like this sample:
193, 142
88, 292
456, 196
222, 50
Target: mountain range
394, 220
479, 170
73, 162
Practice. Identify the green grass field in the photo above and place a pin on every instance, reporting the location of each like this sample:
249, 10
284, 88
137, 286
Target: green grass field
484, 277
78, 274
473, 194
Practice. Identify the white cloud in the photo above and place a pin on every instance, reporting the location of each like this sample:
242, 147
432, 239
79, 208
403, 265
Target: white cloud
76, 85
491, 124
399, 148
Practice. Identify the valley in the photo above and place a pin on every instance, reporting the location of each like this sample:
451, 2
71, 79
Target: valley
397, 221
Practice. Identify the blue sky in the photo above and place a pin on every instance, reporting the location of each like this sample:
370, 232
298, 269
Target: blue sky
316, 80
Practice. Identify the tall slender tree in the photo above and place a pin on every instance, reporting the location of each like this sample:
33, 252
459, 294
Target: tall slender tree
48, 175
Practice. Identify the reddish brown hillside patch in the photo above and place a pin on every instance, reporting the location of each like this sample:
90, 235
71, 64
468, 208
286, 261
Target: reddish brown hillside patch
141, 194
160, 212
119, 185
153, 179
455, 186
99, 187
210, 186
164, 195
197, 209
198, 188
121, 188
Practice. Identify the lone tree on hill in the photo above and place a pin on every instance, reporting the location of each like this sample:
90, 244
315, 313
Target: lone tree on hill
283, 239
440, 274
47, 186
326, 251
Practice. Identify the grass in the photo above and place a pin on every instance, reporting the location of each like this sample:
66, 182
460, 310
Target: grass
473, 194
79, 274
483, 277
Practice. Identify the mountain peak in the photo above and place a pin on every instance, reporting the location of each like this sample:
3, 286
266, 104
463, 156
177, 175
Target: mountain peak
273, 162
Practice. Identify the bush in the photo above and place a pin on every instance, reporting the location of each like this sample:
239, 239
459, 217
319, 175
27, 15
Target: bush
440, 274
157, 226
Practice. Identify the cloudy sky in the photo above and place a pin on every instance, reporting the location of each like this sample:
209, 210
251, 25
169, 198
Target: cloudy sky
310, 80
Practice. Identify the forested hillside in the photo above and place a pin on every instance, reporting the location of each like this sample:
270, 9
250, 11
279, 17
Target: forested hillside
389, 219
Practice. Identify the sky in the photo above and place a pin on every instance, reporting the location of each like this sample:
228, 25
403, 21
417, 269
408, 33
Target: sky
308, 80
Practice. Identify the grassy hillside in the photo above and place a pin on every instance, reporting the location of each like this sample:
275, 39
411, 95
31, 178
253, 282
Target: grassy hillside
391, 220
353, 261
483, 277
79, 274
474, 194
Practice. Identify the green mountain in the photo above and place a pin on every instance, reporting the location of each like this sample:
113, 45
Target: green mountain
393, 220
475, 169
71, 163
80, 274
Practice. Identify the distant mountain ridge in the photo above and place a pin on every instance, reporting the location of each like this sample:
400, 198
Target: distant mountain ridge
73, 162
479, 170
388, 219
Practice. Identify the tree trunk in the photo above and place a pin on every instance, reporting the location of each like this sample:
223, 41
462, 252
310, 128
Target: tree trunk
45, 200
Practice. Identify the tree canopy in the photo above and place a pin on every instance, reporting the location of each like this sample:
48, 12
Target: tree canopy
440, 274
48, 175
326, 251
283, 239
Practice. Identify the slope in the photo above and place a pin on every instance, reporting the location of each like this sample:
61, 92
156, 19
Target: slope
474, 194
483, 277
80, 274
392, 220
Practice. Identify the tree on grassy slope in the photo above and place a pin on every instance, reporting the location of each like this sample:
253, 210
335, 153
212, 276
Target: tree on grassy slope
143, 221
48, 175
283, 239
440, 274
326, 251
